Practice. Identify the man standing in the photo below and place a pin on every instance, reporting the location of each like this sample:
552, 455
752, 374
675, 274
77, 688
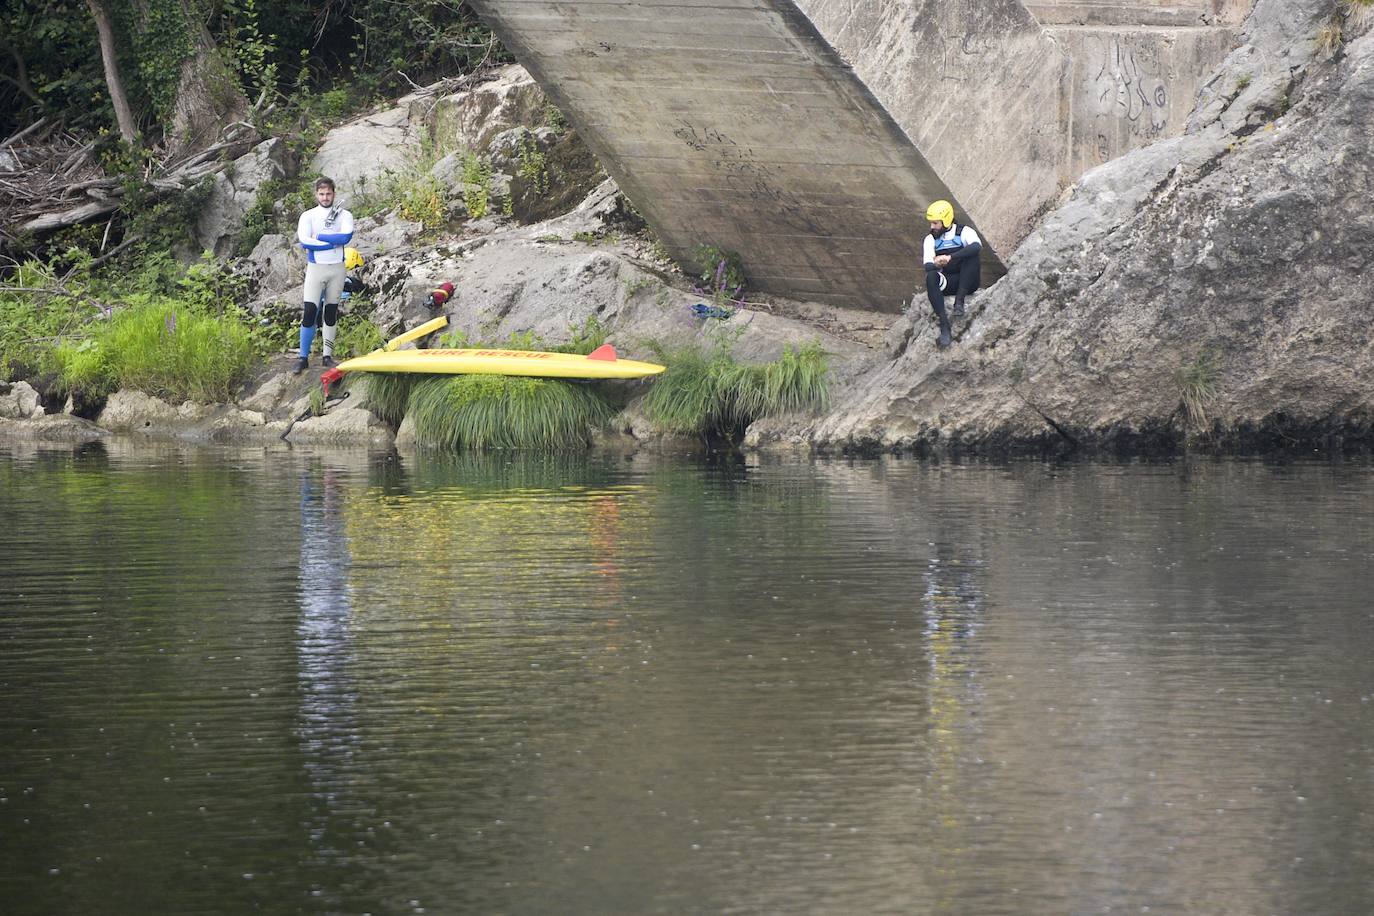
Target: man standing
953, 267
322, 232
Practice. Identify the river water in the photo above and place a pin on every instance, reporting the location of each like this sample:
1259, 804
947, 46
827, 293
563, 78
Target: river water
340, 682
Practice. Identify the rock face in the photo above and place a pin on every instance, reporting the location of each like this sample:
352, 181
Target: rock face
1213, 288
234, 192
551, 278
357, 153
361, 152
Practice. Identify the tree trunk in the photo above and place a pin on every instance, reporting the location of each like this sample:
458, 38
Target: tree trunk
208, 94
21, 74
124, 116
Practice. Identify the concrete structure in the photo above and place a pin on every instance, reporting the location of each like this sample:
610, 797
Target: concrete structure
809, 136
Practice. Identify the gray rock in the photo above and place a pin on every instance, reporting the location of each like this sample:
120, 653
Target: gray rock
405, 435
374, 236
274, 267
468, 120
359, 153
344, 425
51, 428
19, 402
134, 411
235, 190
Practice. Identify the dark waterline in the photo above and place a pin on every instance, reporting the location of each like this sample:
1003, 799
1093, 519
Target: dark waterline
277, 680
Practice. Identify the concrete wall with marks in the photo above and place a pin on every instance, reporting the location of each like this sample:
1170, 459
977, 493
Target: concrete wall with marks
809, 135
978, 85
1132, 13
1132, 87
733, 123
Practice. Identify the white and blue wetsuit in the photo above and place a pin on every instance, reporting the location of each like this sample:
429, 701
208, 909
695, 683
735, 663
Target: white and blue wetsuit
961, 275
323, 232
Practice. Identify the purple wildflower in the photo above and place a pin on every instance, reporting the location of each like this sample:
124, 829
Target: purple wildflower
171, 323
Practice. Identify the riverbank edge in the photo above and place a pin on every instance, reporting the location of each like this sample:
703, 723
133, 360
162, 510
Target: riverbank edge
276, 413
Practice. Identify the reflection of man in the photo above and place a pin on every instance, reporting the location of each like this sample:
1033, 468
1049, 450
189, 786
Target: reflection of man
324, 642
322, 232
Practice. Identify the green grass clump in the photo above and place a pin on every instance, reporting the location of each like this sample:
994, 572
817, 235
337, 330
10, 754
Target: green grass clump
711, 394
1197, 387
388, 393
504, 412
586, 337
163, 348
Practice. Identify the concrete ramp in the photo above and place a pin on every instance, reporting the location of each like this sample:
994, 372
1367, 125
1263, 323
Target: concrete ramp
735, 124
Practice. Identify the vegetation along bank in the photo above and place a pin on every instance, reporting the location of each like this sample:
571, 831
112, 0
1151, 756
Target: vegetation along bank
1208, 291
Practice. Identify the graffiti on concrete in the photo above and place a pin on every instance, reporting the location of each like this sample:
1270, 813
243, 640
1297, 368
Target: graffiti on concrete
743, 172
1125, 91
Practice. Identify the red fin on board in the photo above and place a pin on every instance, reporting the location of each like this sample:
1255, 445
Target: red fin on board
604, 352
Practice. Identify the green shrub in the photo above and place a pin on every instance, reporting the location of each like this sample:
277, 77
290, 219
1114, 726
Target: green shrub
357, 335
454, 340
476, 185
586, 337
721, 272
34, 313
710, 394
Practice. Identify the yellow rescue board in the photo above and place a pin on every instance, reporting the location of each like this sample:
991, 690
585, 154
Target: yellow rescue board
498, 362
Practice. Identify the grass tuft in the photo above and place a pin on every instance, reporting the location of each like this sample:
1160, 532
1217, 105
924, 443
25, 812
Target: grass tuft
711, 394
1197, 389
1358, 14
504, 412
1329, 37
387, 393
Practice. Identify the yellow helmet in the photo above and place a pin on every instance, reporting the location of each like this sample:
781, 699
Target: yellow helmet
941, 210
352, 258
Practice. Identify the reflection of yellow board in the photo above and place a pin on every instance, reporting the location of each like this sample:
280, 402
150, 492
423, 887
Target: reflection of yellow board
502, 362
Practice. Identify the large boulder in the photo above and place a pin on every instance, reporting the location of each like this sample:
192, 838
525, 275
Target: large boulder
274, 267
553, 279
550, 171
1211, 289
234, 192
469, 119
359, 154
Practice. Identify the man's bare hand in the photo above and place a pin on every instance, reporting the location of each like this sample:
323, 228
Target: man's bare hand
942, 259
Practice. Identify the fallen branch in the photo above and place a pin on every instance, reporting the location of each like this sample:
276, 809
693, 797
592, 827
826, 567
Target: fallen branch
51, 221
36, 125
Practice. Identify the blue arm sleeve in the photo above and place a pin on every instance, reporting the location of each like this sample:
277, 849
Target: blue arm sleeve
323, 246
336, 238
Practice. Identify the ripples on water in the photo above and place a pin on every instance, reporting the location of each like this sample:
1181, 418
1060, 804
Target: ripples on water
338, 682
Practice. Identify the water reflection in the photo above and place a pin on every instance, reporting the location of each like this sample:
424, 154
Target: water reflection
503, 684
329, 727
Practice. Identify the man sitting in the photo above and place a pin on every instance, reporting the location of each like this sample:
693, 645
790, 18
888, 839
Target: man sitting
951, 261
